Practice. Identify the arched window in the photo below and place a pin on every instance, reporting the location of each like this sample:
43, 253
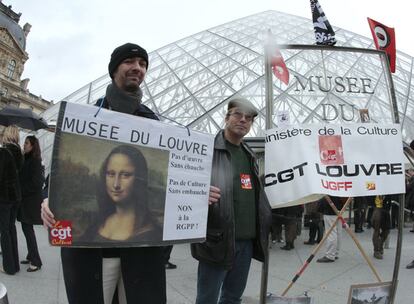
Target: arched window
11, 68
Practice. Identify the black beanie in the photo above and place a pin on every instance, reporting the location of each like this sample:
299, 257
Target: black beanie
127, 50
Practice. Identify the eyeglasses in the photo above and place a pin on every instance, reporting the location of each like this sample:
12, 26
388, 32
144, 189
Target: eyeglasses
239, 115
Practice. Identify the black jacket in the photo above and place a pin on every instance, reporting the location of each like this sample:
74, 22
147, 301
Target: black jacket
143, 269
31, 182
218, 249
10, 164
17, 155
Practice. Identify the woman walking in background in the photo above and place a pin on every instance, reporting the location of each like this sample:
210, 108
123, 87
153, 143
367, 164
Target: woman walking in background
10, 195
31, 181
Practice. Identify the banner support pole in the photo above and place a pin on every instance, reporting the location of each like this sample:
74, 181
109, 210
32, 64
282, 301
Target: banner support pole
396, 119
352, 235
269, 123
316, 249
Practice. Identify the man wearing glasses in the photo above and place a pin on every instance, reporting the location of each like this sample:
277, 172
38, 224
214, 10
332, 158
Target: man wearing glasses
239, 223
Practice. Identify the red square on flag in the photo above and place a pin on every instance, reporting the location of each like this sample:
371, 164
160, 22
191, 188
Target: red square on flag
245, 181
330, 150
61, 233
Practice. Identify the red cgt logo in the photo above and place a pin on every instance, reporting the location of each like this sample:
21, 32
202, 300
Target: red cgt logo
245, 181
331, 155
330, 150
61, 233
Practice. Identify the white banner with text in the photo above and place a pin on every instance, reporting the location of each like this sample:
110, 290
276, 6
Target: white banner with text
359, 159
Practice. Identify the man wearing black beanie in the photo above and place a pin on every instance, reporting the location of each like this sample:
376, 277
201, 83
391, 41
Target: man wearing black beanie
127, 68
92, 274
125, 51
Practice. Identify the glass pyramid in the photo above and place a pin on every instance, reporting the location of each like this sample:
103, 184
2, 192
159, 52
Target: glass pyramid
190, 81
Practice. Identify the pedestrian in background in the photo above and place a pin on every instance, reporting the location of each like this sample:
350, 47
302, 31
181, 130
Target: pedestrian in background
360, 208
291, 217
11, 160
277, 227
381, 224
333, 242
31, 183
315, 221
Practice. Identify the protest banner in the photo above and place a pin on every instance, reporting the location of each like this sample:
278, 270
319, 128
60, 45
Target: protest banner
122, 181
304, 162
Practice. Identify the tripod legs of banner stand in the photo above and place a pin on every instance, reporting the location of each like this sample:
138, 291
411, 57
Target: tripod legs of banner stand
352, 235
316, 249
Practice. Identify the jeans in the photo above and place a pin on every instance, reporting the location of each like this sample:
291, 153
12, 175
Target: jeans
214, 281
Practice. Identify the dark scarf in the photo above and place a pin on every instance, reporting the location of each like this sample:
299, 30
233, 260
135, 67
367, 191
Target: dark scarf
119, 101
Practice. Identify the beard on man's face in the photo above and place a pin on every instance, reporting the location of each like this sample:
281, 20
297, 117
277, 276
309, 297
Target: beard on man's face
131, 87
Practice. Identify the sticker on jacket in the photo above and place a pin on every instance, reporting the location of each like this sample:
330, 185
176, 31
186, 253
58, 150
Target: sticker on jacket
245, 181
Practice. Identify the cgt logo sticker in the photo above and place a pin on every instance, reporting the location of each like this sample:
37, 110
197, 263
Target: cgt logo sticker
245, 181
330, 150
61, 233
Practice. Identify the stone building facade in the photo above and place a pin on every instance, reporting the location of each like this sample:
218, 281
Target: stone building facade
13, 55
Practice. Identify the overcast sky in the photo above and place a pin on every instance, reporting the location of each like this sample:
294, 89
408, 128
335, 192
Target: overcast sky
71, 40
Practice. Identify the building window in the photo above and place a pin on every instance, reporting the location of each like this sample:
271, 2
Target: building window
11, 68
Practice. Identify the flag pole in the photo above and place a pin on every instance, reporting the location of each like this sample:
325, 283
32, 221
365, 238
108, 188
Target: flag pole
396, 119
269, 121
268, 80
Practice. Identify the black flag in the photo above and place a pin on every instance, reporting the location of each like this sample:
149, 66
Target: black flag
324, 33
